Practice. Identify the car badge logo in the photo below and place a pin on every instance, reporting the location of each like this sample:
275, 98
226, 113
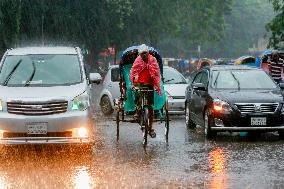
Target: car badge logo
257, 108
36, 107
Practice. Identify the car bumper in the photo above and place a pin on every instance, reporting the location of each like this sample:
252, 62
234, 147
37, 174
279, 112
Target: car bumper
242, 122
176, 106
13, 128
277, 128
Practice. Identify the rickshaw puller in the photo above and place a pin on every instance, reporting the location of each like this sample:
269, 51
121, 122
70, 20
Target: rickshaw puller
145, 71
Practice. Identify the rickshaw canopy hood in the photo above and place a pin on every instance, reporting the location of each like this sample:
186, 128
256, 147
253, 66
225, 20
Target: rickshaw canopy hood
134, 49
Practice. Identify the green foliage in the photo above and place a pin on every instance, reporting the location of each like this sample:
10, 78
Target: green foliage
244, 27
169, 25
98, 24
276, 26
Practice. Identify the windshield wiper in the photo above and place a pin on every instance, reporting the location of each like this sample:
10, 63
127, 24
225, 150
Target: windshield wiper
215, 82
169, 80
181, 82
11, 73
28, 82
239, 88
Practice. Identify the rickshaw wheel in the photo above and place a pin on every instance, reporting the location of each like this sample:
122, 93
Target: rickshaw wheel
122, 115
146, 121
167, 121
117, 125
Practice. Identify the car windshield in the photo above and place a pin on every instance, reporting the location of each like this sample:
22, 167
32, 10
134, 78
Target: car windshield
241, 79
40, 70
172, 76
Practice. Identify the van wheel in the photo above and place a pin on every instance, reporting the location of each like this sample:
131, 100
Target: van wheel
189, 123
208, 122
106, 105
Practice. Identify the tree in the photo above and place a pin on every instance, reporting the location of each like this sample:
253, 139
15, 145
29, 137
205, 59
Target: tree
276, 26
98, 24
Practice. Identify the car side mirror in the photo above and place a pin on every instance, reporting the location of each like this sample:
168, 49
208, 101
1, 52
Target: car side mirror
199, 86
188, 81
281, 85
95, 78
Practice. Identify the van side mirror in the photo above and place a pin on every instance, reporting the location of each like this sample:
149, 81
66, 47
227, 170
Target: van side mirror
281, 85
95, 78
199, 86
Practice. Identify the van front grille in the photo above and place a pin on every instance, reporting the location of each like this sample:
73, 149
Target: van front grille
37, 108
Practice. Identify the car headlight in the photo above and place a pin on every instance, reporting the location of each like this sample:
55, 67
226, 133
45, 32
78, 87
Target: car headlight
221, 106
282, 109
81, 102
168, 94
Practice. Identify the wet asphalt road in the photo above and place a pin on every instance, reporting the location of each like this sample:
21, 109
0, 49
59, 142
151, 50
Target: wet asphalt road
186, 161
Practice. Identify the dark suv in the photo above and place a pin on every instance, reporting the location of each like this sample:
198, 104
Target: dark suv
234, 98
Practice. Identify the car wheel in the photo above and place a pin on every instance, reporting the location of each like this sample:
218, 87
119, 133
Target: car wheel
281, 134
207, 125
106, 105
189, 123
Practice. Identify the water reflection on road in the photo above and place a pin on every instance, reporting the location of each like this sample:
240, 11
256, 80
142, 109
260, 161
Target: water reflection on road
82, 178
217, 160
187, 161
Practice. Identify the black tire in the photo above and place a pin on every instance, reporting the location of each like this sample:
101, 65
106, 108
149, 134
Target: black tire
281, 135
117, 125
106, 105
146, 121
167, 123
189, 123
208, 122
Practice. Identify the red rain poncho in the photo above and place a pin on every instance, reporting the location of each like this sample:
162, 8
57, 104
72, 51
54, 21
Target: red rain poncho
139, 65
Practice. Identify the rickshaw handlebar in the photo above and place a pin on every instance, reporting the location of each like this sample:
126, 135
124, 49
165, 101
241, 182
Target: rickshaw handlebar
143, 89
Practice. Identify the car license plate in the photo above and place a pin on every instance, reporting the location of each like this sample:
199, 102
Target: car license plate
258, 121
36, 128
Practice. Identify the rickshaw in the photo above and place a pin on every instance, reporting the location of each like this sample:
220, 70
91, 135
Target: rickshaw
125, 104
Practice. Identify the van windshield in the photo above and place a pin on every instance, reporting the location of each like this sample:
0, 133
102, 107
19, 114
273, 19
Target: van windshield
40, 70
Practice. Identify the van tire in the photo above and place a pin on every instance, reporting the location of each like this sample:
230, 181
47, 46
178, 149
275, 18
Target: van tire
106, 105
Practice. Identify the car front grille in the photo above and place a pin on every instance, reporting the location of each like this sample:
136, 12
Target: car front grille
257, 107
37, 108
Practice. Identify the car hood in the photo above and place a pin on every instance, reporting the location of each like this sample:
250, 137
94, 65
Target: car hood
176, 89
250, 96
41, 93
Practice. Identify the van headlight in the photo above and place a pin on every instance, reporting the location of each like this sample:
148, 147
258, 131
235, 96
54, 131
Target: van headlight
81, 102
1, 105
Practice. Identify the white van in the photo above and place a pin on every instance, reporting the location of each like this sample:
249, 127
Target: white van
45, 96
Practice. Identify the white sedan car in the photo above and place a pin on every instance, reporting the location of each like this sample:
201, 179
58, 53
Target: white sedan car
175, 85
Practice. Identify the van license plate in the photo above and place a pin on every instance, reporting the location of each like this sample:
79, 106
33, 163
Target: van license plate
36, 128
258, 121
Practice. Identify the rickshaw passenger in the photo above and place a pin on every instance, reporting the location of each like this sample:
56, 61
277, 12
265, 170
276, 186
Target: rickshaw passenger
145, 71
